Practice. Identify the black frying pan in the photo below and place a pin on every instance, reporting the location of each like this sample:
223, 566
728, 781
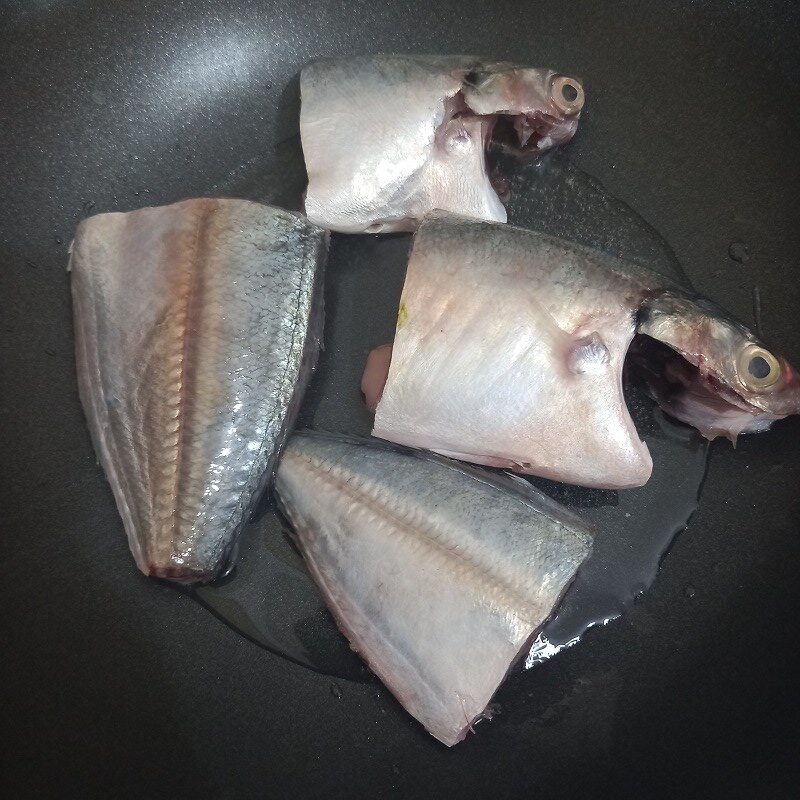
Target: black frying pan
120, 687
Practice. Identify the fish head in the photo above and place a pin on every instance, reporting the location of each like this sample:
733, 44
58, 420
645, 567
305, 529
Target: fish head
711, 371
536, 108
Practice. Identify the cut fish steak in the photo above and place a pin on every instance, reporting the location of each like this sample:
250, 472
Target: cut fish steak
388, 138
196, 327
510, 347
439, 574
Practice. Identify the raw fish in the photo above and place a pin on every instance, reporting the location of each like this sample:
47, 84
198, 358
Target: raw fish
196, 327
510, 346
437, 573
388, 138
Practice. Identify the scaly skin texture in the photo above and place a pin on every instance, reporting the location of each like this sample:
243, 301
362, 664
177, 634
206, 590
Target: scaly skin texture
510, 347
193, 341
509, 352
388, 138
438, 575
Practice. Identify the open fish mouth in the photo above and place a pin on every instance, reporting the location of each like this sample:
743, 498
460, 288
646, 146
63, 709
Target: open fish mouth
527, 120
693, 395
709, 370
524, 134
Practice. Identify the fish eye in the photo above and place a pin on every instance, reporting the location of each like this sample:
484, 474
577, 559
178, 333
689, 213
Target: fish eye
567, 94
476, 77
758, 368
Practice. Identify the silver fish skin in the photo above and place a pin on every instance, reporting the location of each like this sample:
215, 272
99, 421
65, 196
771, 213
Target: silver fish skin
438, 574
196, 328
710, 371
510, 347
388, 138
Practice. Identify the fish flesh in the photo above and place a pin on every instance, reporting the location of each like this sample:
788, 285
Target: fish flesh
439, 574
388, 138
196, 328
510, 346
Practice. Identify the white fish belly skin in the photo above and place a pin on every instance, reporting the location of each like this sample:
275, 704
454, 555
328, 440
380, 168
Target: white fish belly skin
509, 352
437, 575
194, 336
375, 162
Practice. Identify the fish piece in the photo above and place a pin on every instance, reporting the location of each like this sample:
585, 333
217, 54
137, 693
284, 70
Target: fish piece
438, 574
196, 328
375, 373
510, 347
710, 371
388, 138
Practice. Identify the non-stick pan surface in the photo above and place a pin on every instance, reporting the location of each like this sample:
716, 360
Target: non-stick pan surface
116, 686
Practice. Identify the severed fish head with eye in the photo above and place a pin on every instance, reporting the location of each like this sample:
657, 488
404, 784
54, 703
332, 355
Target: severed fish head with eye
390, 138
533, 109
710, 371
511, 345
